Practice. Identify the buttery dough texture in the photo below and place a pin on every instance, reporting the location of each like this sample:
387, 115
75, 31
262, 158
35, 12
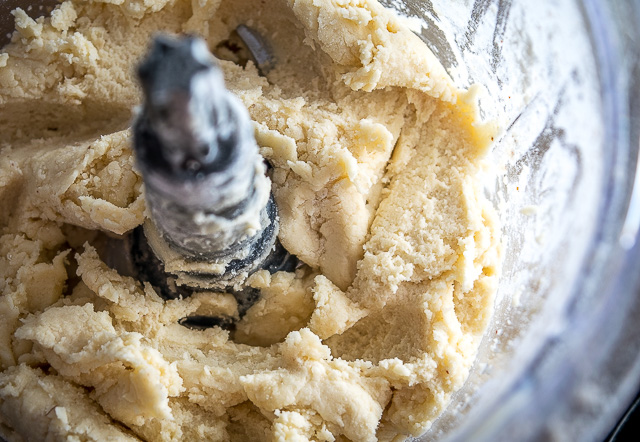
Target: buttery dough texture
376, 158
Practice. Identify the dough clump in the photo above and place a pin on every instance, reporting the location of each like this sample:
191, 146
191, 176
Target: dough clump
376, 158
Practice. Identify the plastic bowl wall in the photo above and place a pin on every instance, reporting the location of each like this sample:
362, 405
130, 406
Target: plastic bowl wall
561, 358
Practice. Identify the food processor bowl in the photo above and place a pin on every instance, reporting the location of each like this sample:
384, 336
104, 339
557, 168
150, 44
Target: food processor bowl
561, 359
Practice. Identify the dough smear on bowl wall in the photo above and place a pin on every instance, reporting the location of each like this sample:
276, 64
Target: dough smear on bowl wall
374, 159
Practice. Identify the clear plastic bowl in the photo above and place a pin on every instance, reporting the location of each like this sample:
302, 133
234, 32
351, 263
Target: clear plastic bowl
561, 359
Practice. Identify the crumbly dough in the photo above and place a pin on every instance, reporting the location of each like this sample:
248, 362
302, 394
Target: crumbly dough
376, 158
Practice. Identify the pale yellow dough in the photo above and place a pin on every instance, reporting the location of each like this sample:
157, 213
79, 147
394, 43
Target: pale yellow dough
376, 157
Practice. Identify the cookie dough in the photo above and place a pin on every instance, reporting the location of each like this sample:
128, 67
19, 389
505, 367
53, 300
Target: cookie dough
376, 158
